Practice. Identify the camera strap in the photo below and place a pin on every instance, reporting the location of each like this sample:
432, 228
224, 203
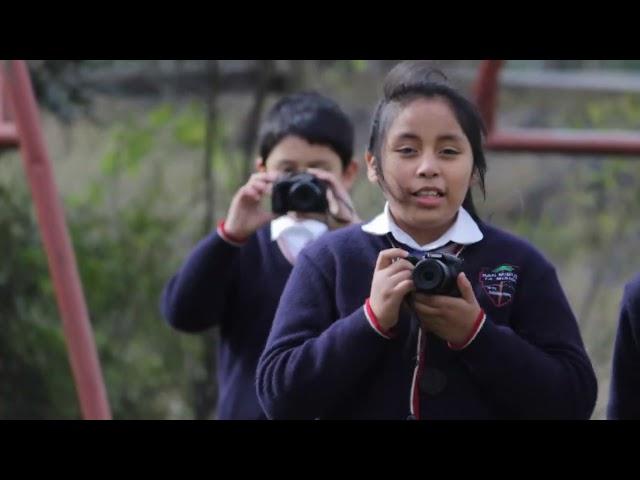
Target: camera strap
416, 335
455, 251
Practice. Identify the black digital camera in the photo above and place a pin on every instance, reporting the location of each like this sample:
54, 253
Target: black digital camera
300, 192
437, 273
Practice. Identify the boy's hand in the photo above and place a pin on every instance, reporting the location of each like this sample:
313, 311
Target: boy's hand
246, 214
341, 210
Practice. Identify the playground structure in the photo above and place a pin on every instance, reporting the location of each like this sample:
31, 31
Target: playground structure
20, 128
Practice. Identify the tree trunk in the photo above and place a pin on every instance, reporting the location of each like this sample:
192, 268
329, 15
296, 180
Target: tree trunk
206, 389
252, 123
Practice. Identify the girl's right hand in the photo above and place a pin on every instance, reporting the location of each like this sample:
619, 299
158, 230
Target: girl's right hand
391, 282
246, 214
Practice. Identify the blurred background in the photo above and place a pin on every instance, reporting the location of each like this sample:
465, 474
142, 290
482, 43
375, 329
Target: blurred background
147, 155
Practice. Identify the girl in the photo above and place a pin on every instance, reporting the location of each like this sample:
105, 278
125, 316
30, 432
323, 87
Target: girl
352, 338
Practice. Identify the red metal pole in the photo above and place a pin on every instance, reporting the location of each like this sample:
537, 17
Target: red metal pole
2, 96
486, 91
62, 262
592, 143
8, 134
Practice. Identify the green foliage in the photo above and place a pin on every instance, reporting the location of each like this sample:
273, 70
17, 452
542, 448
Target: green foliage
34, 371
190, 128
129, 239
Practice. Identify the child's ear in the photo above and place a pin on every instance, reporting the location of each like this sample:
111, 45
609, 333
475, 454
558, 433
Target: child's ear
475, 179
349, 175
372, 170
260, 166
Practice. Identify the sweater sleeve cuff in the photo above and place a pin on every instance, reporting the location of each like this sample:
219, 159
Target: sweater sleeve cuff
235, 241
373, 321
477, 326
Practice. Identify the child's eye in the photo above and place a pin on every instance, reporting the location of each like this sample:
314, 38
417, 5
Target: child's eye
324, 167
406, 151
449, 151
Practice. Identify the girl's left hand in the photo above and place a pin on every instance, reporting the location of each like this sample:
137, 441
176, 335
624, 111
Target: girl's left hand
450, 318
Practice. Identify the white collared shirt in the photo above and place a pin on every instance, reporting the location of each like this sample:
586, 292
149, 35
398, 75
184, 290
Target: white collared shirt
293, 235
464, 231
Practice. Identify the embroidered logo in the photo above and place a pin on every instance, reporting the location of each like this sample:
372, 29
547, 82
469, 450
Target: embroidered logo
499, 283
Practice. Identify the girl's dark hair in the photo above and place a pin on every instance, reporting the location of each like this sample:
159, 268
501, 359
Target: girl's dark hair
411, 80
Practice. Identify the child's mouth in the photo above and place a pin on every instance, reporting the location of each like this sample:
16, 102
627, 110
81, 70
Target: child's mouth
429, 196
429, 192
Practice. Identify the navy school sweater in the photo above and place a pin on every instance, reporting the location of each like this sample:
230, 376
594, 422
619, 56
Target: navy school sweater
324, 360
236, 288
624, 398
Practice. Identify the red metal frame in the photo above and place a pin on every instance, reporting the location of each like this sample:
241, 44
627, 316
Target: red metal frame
540, 140
27, 133
8, 133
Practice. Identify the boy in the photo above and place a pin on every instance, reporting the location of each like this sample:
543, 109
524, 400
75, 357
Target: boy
234, 277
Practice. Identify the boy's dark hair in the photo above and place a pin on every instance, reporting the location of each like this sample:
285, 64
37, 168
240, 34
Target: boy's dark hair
311, 116
411, 80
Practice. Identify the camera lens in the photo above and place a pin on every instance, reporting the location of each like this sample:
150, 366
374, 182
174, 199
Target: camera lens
429, 275
304, 196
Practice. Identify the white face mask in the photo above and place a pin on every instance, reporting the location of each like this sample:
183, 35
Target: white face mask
293, 235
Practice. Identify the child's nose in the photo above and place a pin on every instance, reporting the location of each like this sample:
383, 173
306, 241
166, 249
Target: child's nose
428, 166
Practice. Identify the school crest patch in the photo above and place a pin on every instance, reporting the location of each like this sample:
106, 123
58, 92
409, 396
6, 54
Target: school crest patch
499, 283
